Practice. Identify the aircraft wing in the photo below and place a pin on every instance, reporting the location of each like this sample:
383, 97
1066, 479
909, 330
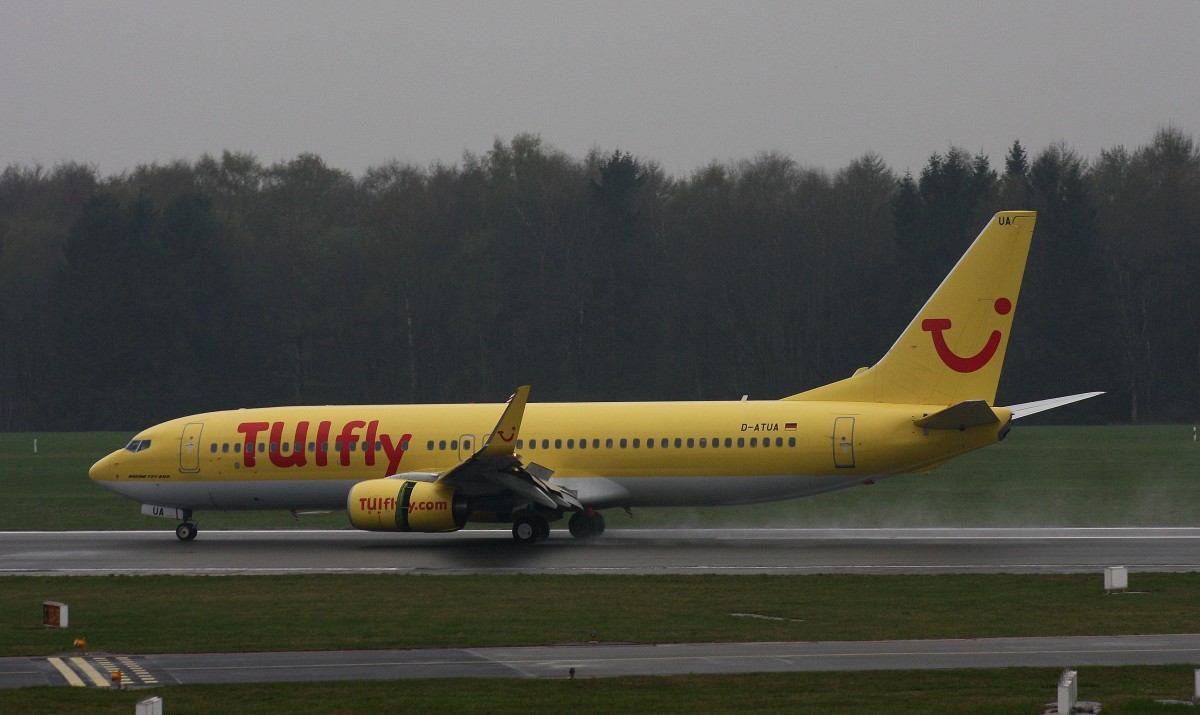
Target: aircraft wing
495, 467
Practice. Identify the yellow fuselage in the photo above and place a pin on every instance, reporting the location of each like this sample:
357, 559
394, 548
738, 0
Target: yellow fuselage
612, 454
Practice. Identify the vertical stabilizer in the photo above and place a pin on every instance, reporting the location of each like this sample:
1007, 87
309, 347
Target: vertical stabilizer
954, 348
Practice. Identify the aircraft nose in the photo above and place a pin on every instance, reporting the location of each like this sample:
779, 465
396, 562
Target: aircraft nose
104, 470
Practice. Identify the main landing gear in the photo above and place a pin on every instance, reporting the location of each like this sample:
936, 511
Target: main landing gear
530, 528
586, 524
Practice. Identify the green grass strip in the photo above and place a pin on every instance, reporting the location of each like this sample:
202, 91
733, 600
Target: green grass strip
148, 614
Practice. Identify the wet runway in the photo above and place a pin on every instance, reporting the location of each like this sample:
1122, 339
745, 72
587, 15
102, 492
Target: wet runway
640, 551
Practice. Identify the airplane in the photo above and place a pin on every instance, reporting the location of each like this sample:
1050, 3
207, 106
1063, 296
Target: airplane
434, 468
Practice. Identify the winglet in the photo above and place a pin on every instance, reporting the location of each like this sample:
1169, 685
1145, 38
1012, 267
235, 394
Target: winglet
503, 439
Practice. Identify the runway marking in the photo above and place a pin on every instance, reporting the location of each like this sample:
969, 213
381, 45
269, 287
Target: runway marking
137, 670
89, 671
72, 679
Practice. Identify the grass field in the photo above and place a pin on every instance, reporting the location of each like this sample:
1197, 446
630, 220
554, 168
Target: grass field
150, 614
1039, 476
142, 614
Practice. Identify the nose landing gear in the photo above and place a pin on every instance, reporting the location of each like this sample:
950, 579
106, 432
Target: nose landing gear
187, 530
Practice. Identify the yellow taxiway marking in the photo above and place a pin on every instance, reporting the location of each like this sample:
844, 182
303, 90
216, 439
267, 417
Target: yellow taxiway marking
72, 679
100, 680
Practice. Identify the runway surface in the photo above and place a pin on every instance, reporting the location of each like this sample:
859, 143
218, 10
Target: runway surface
599, 660
640, 551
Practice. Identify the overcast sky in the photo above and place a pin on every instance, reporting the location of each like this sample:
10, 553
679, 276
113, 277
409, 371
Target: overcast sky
120, 83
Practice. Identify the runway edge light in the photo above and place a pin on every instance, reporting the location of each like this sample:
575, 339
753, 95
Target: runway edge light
150, 706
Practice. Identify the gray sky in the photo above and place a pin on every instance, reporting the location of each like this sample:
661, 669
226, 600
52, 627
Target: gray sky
121, 83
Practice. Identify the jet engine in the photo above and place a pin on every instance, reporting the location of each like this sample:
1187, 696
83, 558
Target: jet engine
396, 505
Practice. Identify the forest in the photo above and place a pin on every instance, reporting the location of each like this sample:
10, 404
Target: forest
179, 288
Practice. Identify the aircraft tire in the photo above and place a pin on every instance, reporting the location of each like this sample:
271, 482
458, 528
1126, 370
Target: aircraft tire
186, 531
584, 525
529, 529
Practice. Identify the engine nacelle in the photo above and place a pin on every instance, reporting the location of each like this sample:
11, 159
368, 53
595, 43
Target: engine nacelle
395, 505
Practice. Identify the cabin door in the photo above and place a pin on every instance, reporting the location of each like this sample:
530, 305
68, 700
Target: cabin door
843, 442
189, 447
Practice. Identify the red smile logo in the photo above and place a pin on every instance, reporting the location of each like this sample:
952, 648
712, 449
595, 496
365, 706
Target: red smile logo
937, 326
509, 438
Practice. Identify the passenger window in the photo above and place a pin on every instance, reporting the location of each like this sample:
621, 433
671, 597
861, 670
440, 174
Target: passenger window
225, 448
583, 444
237, 447
262, 447
429, 445
679, 443
741, 441
608, 442
558, 444
791, 441
596, 444
570, 444
520, 444
691, 442
404, 445
649, 443
442, 444
545, 444
729, 442
213, 449
753, 442
636, 442
274, 447
779, 441
623, 443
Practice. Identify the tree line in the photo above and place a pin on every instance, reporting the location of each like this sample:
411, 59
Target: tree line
178, 288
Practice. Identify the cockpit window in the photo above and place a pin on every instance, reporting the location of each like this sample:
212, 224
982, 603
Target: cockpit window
138, 445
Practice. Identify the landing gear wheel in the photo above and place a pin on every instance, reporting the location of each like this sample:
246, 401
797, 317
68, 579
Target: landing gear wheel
186, 531
529, 529
586, 524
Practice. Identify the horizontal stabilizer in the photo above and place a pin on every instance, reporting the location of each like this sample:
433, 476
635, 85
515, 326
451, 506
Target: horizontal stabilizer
964, 415
1032, 408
